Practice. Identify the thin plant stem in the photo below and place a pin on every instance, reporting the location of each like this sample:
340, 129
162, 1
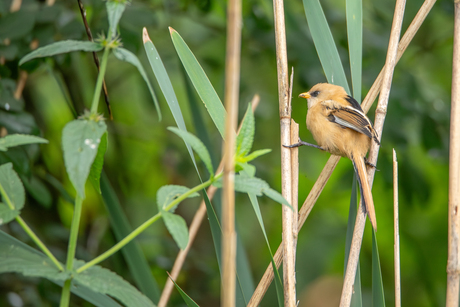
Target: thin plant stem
453, 258
232, 85
65, 296
193, 230
396, 232
145, 225
309, 202
100, 79
381, 111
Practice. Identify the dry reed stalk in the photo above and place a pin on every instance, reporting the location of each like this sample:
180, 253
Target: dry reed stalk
396, 232
232, 81
193, 229
453, 261
307, 206
380, 114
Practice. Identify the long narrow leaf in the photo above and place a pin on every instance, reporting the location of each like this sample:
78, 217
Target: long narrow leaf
187, 299
378, 296
115, 9
355, 43
127, 56
324, 44
137, 264
201, 82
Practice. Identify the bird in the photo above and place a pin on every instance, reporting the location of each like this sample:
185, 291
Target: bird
338, 124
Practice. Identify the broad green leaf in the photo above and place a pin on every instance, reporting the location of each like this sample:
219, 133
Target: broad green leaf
166, 194
17, 24
356, 298
187, 299
61, 47
245, 138
96, 167
378, 295
11, 187
12, 140
18, 257
6, 214
132, 252
80, 142
324, 44
197, 145
277, 277
249, 169
166, 87
127, 56
355, 43
177, 228
255, 186
256, 154
107, 282
201, 82
115, 9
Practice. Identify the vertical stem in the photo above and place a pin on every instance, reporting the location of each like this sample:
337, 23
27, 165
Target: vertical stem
71, 249
380, 114
232, 73
100, 79
453, 262
396, 232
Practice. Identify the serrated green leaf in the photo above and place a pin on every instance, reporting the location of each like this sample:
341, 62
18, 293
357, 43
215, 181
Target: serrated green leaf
255, 154
11, 187
354, 9
378, 295
6, 214
12, 140
249, 169
61, 47
107, 282
324, 44
197, 145
166, 194
96, 167
177, 228
80, 142
187, 299
201, 82
114, 11
245, 138
18, 257
276, 196
127, 56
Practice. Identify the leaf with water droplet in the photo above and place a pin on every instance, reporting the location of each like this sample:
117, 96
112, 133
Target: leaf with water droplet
80, 141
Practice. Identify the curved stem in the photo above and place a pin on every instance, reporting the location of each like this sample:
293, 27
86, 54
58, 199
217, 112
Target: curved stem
145, 225
100, 79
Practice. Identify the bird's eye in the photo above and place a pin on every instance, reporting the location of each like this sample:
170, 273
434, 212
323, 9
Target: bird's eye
314, 94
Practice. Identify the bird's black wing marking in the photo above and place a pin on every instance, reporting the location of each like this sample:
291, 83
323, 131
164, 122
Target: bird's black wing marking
354, 103
349, 118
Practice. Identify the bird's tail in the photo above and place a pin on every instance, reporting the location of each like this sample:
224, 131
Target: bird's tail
366, 195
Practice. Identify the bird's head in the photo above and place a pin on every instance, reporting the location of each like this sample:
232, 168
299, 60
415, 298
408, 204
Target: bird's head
321, 92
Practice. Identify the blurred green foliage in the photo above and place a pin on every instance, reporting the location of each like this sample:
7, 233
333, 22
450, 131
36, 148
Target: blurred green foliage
142, 155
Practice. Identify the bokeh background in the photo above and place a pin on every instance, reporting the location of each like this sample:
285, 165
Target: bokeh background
143, 156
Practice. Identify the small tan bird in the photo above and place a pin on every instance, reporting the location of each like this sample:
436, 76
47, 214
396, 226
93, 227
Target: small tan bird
339, 126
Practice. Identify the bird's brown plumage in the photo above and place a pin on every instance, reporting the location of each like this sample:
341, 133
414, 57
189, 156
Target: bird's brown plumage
339, 126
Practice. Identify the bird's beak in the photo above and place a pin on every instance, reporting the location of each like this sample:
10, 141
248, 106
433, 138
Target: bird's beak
305, 95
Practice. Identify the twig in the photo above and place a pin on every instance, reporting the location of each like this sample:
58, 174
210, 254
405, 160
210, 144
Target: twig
333, 160
232, 75
396, 232
193, 230
95, 57
453, 261
380, 114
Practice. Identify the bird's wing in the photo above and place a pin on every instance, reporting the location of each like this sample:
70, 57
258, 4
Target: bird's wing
349, 117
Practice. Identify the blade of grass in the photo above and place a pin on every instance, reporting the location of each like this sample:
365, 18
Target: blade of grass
137, 263
324, 44
396, 232
378, 295
354, 13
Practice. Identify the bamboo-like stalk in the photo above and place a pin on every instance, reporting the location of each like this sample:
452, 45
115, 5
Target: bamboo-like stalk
380, 114
396, 232
193, 229
453, 261
308, 204
232, 75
